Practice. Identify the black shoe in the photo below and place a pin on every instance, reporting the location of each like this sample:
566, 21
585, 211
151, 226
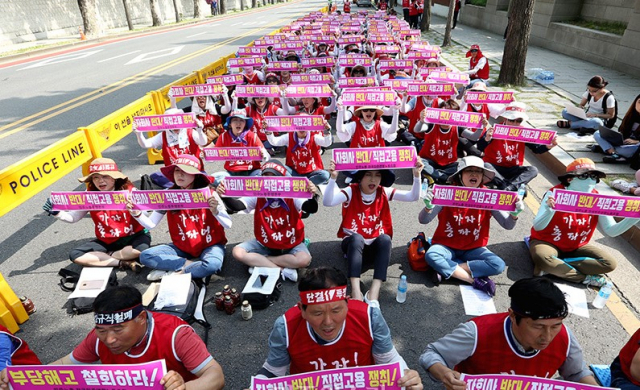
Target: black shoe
585, 131
614, 159
595, 148
435, 277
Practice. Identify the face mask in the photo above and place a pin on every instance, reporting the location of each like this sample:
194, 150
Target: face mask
582, 185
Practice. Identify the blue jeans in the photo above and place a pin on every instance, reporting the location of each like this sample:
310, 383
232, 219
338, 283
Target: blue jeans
577, 123
481, 261
623, 150
316, 177
169, 258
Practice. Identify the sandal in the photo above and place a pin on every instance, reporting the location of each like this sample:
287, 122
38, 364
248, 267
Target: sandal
563, 124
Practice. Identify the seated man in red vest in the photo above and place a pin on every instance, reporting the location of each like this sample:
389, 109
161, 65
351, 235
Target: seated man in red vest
337, 333
126, 333
478, 66
530, 339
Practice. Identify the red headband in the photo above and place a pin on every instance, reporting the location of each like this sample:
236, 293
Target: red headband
317, 297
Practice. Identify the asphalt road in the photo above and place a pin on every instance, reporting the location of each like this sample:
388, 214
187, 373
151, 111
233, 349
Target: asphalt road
33, 247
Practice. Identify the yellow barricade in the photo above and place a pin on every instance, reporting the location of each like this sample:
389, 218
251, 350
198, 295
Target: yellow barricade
11, 301
27, 177
7, 320
214, 69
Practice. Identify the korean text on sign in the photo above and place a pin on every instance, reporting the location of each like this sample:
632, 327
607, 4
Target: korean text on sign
506, 381
267, 187
524, 134
374, 158
164, 122
597, 204
474, 198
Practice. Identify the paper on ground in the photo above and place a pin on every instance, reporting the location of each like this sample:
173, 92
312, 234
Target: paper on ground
576, 300
91, 273
263, 280
174, 290
476, 302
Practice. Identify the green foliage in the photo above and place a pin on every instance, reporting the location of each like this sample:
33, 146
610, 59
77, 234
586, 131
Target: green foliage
480, 3
608, 27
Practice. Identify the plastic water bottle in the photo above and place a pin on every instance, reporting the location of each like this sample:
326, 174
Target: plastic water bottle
401, 296
424, 188
601, 299
522, 189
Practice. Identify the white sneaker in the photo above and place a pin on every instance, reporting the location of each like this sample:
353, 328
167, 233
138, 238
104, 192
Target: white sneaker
290, 273
371, 302
621, 185
157, 274
595, 280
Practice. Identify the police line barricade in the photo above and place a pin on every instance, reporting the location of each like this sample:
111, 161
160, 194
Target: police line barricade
22, 180
12, 312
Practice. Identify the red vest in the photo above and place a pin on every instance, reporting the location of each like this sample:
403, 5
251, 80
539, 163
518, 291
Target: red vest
23, 355
567, 231
626, 356
225, 141
277, 228
504, 153
258, 118
209, 120
406, 3
171, 152
112, 225
351, 349
414, 116
494, 355
160, 346
368, 220
195, 230
440, 148
383, 5
462, 228
347, 7
254, 79
482, 73
304, 160
367, 139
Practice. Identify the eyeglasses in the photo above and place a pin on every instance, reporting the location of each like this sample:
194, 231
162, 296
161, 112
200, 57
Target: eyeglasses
593, 90
585, 176
368, 110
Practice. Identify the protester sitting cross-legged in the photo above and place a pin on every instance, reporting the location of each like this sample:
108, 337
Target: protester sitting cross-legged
327, 330
630, 130
119, 237
559, 242
530, 339
600, 105
367, 229
126, 333
459, 243
197, 235
277, 226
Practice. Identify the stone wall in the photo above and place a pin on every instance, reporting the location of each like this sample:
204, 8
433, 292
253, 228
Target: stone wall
607, 10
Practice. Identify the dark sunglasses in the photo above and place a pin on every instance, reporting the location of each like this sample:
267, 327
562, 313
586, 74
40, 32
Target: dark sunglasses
473, 50
519, 120
368, 110
591, 175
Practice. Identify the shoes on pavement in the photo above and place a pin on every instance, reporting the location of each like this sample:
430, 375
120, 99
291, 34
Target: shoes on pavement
614, 158
621, 185
595, 280
157, 274
485, 284
290, 274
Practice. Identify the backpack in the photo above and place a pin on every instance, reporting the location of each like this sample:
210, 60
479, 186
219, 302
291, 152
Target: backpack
416, 250
609, 122
260, 301
69, 280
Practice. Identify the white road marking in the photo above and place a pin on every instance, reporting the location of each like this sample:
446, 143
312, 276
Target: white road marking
121, 55
195, 35
63, 58
235, 24
156, 54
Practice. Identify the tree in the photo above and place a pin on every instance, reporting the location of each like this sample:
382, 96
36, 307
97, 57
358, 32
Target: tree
176, 7
127, 14
514, 58
90, 22
425, 23
223, 7
254, 3
155, 13
197, 12
447, 30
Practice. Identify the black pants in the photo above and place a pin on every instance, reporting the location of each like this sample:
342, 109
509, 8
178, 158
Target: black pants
510, 178
379, 251
405, 13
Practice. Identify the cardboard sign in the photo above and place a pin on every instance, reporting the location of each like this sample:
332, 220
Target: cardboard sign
430, 89
353, 159
454, 118
258, 91
180, 91
249, 153
312, 90
227, 79
489, 97
165, 122
355, 82
243, 62
267, 187
450, 77
506, 381
321, 78
315, 62
524, 134
597, 204
396, 64
474, 198
362, 97
279, 66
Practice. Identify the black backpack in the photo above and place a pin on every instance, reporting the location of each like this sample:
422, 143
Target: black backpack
609, 122
69, 280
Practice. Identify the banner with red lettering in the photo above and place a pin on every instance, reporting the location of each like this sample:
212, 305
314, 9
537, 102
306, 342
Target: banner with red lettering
226, 79
288, 123
248, 153
258, 91
179, 91
392, 157
165, 122
360, 97
321, 78
244, 62
507, 381
489, 97
454, 118
430, 89
597, 204
474, 198
312, 90
524, 134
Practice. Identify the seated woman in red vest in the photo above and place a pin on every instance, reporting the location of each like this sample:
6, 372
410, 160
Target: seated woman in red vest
277, 226
625, 369
210, 114
366, 130
367, 229
459, 244
119, 237
559, 242
14, 352
303, 152
197, 235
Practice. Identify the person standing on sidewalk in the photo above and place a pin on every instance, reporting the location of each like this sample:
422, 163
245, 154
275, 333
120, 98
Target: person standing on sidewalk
456, 11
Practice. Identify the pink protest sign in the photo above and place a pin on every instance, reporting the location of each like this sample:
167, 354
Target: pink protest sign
318, 61
350, 28
380, 38
226, 79
267, 187
450, 77
488, 97
170, 199
164, 122
322, 78
289, 45
428, 71
244, 62
506, 381
424, 47
395, 64
374, 158
397, 84
422, 55
382, 376
89, 200
354, 82
353, 61
350, 39
295, 123
266, 42
379, 49
232, 154
252, 50
523, 134
178, 91
474, 198
363, 97
313, 90
454, 118
279, 66
88, 376
258, 91
580, 202
430, 89
322, 39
